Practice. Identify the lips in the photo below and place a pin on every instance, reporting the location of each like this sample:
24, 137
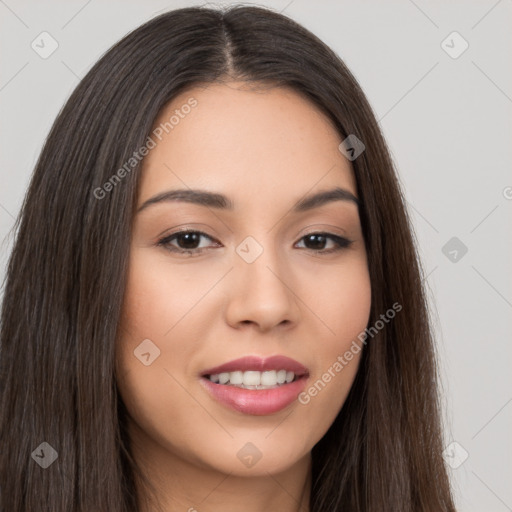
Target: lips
256, 401
255, 363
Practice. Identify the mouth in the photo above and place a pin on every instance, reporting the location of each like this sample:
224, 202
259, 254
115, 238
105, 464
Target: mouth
257, 386
252, 372
253, 379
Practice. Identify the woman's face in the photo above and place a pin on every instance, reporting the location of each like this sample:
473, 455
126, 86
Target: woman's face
257, 282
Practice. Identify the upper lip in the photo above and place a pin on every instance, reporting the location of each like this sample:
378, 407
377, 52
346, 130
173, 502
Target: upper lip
261, 364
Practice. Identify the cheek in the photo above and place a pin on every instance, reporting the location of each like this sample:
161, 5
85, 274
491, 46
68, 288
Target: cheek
145, 324
153, 309
340, 298
151, 355
157, 303
342, 303
162, 296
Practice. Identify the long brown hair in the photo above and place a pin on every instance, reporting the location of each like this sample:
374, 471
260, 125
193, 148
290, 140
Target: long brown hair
67, 271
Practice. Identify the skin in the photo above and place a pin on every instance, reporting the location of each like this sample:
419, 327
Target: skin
265, 149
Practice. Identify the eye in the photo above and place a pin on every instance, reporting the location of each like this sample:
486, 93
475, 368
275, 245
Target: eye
187, 242
317, 242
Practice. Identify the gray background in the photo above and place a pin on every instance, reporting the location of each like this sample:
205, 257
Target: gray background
448, 124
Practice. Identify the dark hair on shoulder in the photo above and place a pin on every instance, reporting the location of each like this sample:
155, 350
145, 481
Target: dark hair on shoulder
67, 272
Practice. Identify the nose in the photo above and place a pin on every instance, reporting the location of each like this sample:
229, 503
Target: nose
262, 294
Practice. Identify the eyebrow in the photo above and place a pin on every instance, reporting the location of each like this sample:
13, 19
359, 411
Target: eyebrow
221, 202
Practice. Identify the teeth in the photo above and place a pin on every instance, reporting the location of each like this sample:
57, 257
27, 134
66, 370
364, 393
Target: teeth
269, 378
223, 378
249, 379
281, 376
236, 378
254, 379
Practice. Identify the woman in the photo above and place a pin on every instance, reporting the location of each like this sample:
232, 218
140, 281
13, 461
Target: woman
214, 299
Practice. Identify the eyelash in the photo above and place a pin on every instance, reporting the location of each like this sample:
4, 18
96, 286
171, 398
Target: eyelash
342, 243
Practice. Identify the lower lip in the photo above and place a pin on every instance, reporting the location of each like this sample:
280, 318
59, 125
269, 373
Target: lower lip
253, 401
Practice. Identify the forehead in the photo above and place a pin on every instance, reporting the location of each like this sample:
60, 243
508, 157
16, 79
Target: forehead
244, 140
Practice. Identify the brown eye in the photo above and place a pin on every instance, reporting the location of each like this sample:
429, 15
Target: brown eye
317, 242
187, 242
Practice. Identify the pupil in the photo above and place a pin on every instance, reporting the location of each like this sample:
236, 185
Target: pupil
319, 240
190, 238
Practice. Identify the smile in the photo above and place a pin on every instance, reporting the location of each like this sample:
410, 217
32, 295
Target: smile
256, 386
